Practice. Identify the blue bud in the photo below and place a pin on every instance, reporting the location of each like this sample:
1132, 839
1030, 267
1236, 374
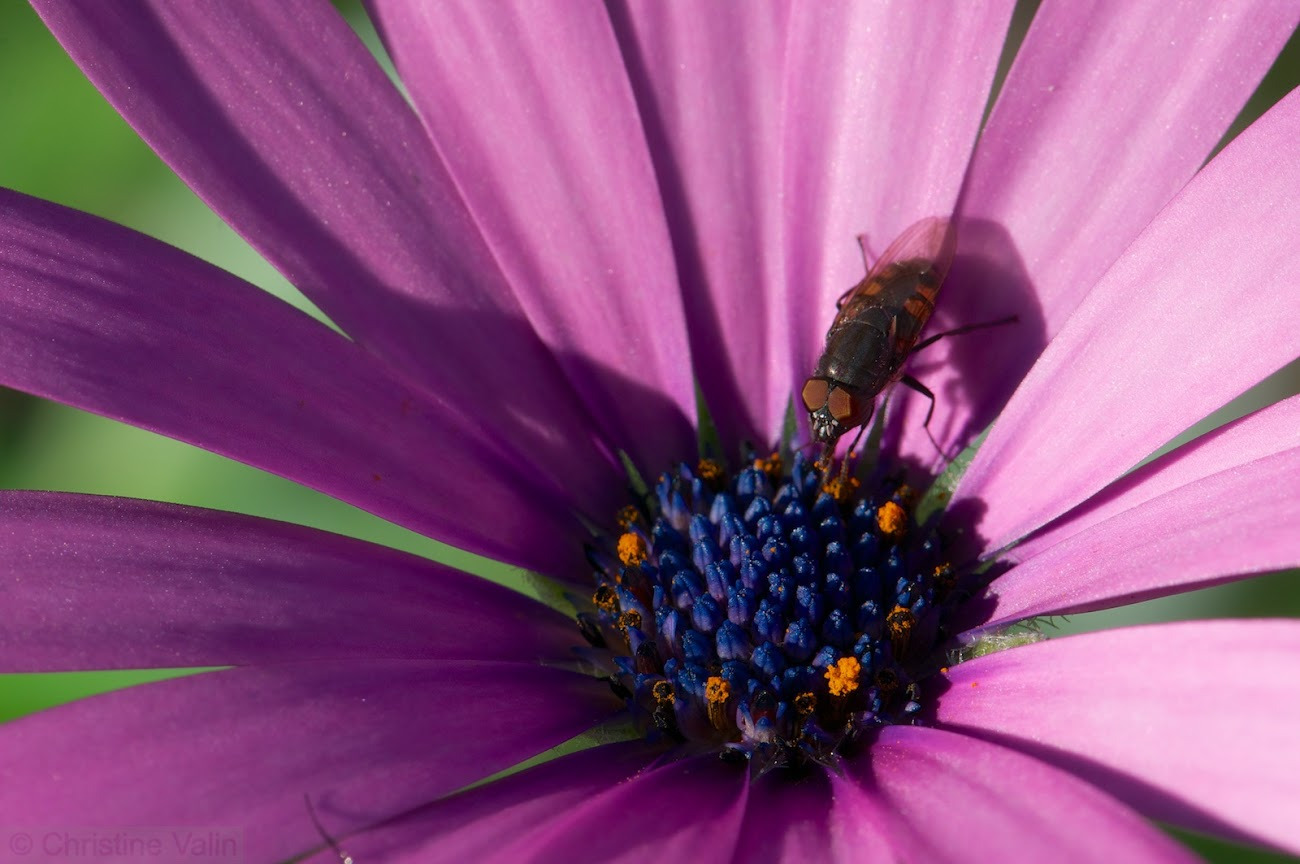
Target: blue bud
741, 604
800, 640
768, 659
768, 623
733, 643
706, 614
697, 647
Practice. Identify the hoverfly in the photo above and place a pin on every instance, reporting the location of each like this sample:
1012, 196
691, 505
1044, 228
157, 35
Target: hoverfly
876, 328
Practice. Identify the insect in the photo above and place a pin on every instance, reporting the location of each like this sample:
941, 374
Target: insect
876, 328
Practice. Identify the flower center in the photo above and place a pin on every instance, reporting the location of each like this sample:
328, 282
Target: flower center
772, 615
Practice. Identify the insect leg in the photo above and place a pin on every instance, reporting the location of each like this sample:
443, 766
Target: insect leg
344, 858
856, 438
848, 454
911, 382
824, 461
969, 328
867, 259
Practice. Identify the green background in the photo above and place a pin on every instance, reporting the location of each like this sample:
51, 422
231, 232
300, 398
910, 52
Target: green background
60, 140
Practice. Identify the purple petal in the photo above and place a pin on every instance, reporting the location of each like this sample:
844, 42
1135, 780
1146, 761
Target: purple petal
958, 799
863, 830
1222, 527
225, 366
110, 583
818, 817
1098, 125
530, 108
684, 811
471, 826
279, 118
1225, 526
241, 748
708, 83
876, 137
1170, 334
1255, 436
787, 821
1190, 723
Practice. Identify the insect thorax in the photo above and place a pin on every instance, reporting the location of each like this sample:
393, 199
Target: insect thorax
858, 352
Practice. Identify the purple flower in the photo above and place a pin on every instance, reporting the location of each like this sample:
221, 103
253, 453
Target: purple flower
584, 214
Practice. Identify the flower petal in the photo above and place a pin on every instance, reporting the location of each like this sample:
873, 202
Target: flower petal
110, 583
531, 110
863, 830
1096, 128
817, 817
1161, 716
687, 810
708, 83
1224, 526
241, 748
471, 826
279, 118
225, 366
958, 799
1172, 332
1263, 433
883, 102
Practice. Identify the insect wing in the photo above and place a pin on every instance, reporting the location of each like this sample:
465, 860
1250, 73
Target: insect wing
923, 249
930, 241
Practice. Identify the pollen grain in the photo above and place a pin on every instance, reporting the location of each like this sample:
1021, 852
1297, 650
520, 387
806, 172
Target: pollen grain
842, 676
631, 549
628, 516
892, 520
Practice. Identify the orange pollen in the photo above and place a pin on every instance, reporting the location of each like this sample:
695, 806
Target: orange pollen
631, 549
900, 622
805, 703
630, 618
710, 471
843, 676
892, 519
772, 465
841, 488
628, 516
663, 692
716, 690
605, 599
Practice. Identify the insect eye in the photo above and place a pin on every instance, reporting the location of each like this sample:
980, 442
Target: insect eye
815, 391
841, 404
